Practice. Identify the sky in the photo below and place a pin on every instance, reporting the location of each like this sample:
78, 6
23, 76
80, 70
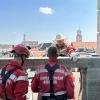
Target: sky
42, 20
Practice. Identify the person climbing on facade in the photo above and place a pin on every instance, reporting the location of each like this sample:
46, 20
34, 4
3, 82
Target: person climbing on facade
64, 48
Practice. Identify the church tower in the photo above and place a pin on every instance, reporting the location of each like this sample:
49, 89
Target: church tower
79, 36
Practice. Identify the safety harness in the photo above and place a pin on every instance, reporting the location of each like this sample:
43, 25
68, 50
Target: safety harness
5, 75
51, 71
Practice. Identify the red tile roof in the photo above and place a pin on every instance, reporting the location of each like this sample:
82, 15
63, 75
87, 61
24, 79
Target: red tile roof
37, 53
90, 45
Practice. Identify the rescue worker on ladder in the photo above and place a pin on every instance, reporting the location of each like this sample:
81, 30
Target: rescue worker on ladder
53, 81
13, 79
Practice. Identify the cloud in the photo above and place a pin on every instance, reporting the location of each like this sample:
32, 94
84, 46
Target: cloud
46, 10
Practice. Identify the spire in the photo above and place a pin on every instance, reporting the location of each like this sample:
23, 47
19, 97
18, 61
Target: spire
79, 36
24, 38
79, 31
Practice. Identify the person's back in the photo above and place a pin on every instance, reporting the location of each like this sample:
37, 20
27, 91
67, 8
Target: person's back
16, 85
63, 86
19, 77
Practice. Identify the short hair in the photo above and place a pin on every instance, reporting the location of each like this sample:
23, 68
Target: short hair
52, 52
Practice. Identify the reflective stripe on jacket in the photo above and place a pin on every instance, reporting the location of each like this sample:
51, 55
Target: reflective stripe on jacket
63, 80
17, 83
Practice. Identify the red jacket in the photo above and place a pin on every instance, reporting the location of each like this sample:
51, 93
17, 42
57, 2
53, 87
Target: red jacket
63, 81
17, 83
65, 50
70, 49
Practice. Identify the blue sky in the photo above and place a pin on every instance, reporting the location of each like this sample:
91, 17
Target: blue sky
42, 19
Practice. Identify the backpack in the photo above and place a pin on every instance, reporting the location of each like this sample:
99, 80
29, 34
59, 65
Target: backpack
5, 76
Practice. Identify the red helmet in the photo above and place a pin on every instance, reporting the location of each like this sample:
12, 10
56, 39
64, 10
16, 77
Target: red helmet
21, 50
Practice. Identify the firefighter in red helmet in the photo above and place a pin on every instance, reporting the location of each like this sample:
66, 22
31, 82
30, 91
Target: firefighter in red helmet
13, 79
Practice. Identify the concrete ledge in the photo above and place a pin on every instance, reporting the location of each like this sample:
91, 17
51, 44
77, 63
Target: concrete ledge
82, 62
89, 68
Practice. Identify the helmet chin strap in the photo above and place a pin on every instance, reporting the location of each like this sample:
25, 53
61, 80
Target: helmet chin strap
22, 63
21, 57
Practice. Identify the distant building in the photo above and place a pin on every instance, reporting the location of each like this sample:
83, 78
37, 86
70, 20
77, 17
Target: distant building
5, 47
5, 50
89, 45
30, 43
79, 36
34, 52
44, 46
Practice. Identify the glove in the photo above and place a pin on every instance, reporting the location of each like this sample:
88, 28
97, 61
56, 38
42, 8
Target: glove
74, 56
